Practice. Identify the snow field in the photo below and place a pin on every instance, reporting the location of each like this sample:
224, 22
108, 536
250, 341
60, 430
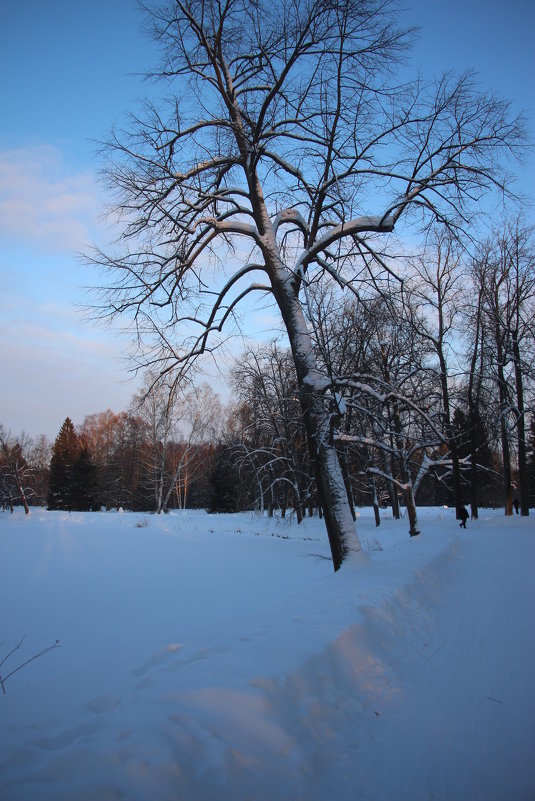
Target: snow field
219, 657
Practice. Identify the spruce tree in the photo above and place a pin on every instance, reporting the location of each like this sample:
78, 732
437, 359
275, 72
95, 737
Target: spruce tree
84, 481
72, 472
224, 480
64, 454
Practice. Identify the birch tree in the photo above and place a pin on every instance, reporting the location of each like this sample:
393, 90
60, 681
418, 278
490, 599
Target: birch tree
435, 288
284, 148
177, 420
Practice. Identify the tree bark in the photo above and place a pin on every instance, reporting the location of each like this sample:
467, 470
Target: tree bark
450, 435
521, 428
410, 503
21, 492
375, 502
473, 411
504, 436
343, 539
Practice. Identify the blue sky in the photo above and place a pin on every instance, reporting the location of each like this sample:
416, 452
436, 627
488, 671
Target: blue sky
67, 72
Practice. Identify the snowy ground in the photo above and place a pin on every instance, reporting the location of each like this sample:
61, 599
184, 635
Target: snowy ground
214, 658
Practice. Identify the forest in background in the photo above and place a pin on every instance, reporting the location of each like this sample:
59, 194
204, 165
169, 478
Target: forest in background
430, 397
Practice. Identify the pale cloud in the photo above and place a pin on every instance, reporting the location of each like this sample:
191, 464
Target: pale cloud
53, 369
44, 202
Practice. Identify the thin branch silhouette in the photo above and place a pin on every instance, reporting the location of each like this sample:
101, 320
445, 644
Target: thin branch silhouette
3, 679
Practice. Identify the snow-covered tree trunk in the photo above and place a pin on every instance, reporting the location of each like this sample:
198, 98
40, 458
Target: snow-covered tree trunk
504, 409
406, 478
341, 531
410, 503
375, 501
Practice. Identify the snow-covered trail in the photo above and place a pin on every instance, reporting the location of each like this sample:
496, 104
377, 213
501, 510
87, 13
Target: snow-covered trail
456, 719
428, 697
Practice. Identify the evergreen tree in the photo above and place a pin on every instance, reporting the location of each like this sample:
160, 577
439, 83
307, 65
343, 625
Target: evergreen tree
72, 472
225, 481
84, 482
64, 454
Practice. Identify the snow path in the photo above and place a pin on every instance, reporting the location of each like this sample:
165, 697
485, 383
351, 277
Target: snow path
457, 718
429, 698
217, 658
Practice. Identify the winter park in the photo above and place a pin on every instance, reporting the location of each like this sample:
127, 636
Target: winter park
267, 417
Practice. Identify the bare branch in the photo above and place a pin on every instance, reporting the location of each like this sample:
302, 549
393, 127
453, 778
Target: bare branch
3, 679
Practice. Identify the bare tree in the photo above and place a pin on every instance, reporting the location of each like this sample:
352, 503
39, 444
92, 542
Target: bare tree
435, 289
285, 149
14, 468
398, 398
506, 275
38, 458
200, 423
474, 321
177, 419
265, 380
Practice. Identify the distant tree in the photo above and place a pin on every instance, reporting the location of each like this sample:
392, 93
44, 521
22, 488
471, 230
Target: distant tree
224, 480
505, 270
39, 455
72, 473
477, 334
435, 287
115, 442
100, 433
177, 420
14, 470
475, 450
64, 454
273, 443
199, 424
84, 482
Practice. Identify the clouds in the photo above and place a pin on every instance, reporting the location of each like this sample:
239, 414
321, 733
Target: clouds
53, 363
49, 373
43, 202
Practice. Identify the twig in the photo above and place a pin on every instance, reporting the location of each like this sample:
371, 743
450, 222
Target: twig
16, 648
3, 679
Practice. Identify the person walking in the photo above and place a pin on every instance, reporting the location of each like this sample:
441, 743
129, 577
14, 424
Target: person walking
462, 515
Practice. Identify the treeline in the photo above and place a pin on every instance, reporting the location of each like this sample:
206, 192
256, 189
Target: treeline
430, 396
155, 457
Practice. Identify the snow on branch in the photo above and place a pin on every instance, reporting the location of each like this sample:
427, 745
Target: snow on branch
367, 224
